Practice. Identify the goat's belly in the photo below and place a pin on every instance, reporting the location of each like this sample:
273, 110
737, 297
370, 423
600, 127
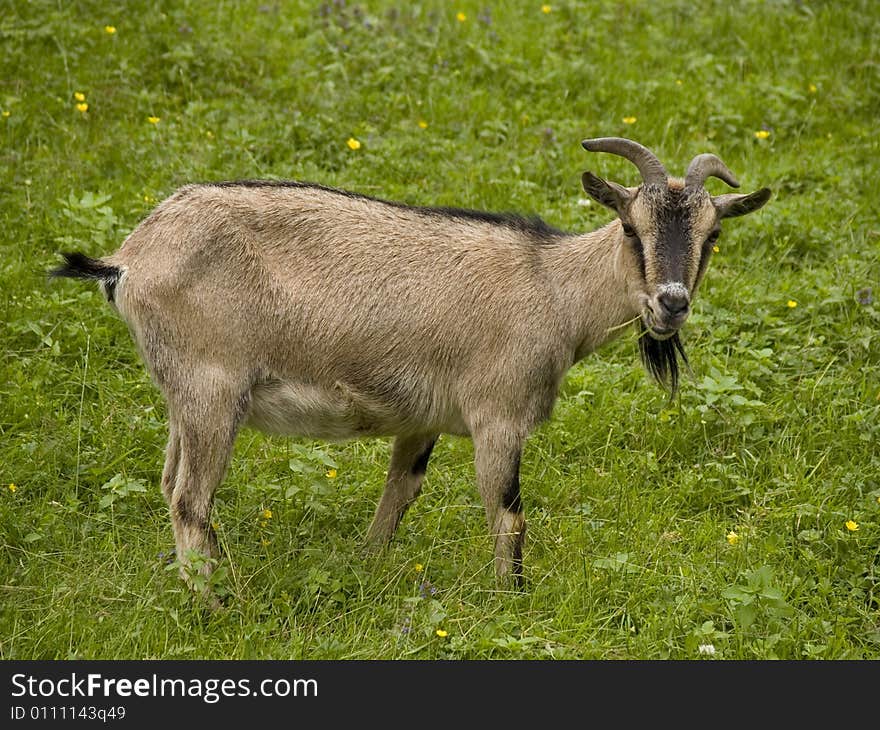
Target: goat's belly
305, 409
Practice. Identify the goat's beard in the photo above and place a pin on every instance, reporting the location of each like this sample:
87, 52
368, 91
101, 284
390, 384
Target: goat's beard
660, 358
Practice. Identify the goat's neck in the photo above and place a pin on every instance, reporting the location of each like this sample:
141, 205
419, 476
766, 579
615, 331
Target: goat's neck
588, 272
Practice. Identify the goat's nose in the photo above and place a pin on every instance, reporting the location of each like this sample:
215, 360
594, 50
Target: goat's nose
673, 305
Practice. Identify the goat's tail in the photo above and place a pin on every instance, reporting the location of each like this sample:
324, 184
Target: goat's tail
80, 266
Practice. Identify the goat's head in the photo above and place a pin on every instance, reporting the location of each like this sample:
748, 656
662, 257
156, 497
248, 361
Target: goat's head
669, 227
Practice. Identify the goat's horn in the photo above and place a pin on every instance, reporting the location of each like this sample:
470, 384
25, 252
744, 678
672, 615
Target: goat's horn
705, 166
651, 168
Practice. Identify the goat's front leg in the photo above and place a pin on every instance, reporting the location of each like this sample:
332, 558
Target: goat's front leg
409, 460
497, 453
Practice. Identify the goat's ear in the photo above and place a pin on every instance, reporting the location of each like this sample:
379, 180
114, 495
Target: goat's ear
610, 194
732, 205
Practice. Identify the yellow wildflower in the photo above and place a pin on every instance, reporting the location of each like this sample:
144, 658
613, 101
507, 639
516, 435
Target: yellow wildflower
12, 488
209, 134
716, 249
791, 304
331, 474
423, 124
461, 17
418, 566
264, 542
266, 514
629, 120
442, 634
679, 82
852, 525
110, 29
812, 88
5, 113
762, 134
353, 144
79, 96
83, 107
153, 120
732, 538
546, 9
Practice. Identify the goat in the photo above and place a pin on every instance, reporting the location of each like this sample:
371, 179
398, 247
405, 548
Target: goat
304, 310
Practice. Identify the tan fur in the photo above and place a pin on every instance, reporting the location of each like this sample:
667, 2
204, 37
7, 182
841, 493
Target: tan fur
300, 310
366, 318
306, 311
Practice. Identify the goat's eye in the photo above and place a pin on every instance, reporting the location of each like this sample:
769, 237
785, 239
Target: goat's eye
629, 231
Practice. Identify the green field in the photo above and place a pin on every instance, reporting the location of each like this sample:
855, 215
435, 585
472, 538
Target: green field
738, 521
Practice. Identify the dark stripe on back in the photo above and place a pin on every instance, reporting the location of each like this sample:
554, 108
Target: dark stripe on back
530, 225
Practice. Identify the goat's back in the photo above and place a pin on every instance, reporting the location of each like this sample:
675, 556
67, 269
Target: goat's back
406, 308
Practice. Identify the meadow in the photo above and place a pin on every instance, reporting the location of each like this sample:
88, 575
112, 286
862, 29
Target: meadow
739, 520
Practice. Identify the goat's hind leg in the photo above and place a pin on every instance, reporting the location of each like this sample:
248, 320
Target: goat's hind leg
205, 433
409, 460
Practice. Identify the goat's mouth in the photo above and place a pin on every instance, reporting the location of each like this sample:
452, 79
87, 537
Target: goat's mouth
658, 329
661, 333
662, 326
664, 313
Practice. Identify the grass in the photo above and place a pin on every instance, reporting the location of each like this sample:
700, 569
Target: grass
655, 528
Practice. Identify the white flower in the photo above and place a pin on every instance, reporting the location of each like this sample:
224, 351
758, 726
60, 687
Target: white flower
708, 649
